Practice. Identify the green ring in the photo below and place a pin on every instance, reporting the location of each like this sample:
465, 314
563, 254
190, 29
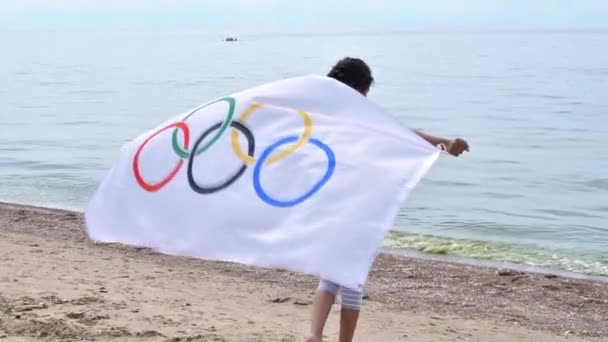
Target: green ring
185, 154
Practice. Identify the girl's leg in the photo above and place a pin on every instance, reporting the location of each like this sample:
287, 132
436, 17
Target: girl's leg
349, 315
325, 297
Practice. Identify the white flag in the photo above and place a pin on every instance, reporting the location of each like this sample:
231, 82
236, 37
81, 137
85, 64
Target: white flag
304, 174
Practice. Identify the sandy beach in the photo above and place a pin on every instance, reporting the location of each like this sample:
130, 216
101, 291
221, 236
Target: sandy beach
56, 285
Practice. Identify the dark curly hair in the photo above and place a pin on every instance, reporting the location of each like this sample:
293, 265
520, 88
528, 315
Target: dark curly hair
353, 72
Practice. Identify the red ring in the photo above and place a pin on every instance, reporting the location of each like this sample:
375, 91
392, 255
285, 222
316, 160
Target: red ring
155, 187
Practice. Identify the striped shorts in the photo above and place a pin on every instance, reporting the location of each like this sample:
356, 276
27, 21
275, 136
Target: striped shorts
351, 299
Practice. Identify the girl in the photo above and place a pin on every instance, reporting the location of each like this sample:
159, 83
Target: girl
356, 73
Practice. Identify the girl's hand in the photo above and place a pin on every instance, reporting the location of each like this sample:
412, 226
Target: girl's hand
457, 146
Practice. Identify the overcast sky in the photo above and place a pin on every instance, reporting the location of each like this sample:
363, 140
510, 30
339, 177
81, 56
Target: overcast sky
288, 14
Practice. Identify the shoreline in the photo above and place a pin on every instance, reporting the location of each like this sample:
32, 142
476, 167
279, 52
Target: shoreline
462, 260
412, 253
56, 283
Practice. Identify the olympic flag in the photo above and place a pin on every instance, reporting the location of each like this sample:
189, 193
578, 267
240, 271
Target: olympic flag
303, 173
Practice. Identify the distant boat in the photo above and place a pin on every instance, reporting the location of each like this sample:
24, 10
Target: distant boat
231, 39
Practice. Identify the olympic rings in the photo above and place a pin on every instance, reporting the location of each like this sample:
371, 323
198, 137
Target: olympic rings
331, 165
184, 154
250, 151
155, 187
267, 156
281, 155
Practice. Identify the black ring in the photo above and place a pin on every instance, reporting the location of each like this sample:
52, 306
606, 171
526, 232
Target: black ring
250, 151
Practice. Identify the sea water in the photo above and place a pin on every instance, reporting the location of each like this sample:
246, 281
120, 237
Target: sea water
533, 189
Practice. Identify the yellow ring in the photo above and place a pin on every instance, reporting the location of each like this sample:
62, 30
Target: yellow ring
280, 155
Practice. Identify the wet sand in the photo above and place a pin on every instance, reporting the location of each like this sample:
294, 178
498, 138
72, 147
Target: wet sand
56, 285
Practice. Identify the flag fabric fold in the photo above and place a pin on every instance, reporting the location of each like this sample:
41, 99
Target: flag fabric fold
303, 173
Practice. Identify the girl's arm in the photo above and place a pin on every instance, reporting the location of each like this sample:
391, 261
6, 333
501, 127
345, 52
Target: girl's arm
453, 146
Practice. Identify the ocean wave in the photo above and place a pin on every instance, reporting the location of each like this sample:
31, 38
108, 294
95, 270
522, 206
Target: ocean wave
586, 263
599, 183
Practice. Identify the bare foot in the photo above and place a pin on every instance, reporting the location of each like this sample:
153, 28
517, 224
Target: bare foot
313, 339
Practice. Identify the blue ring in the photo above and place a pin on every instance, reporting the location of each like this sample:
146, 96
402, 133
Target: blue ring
331, 165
